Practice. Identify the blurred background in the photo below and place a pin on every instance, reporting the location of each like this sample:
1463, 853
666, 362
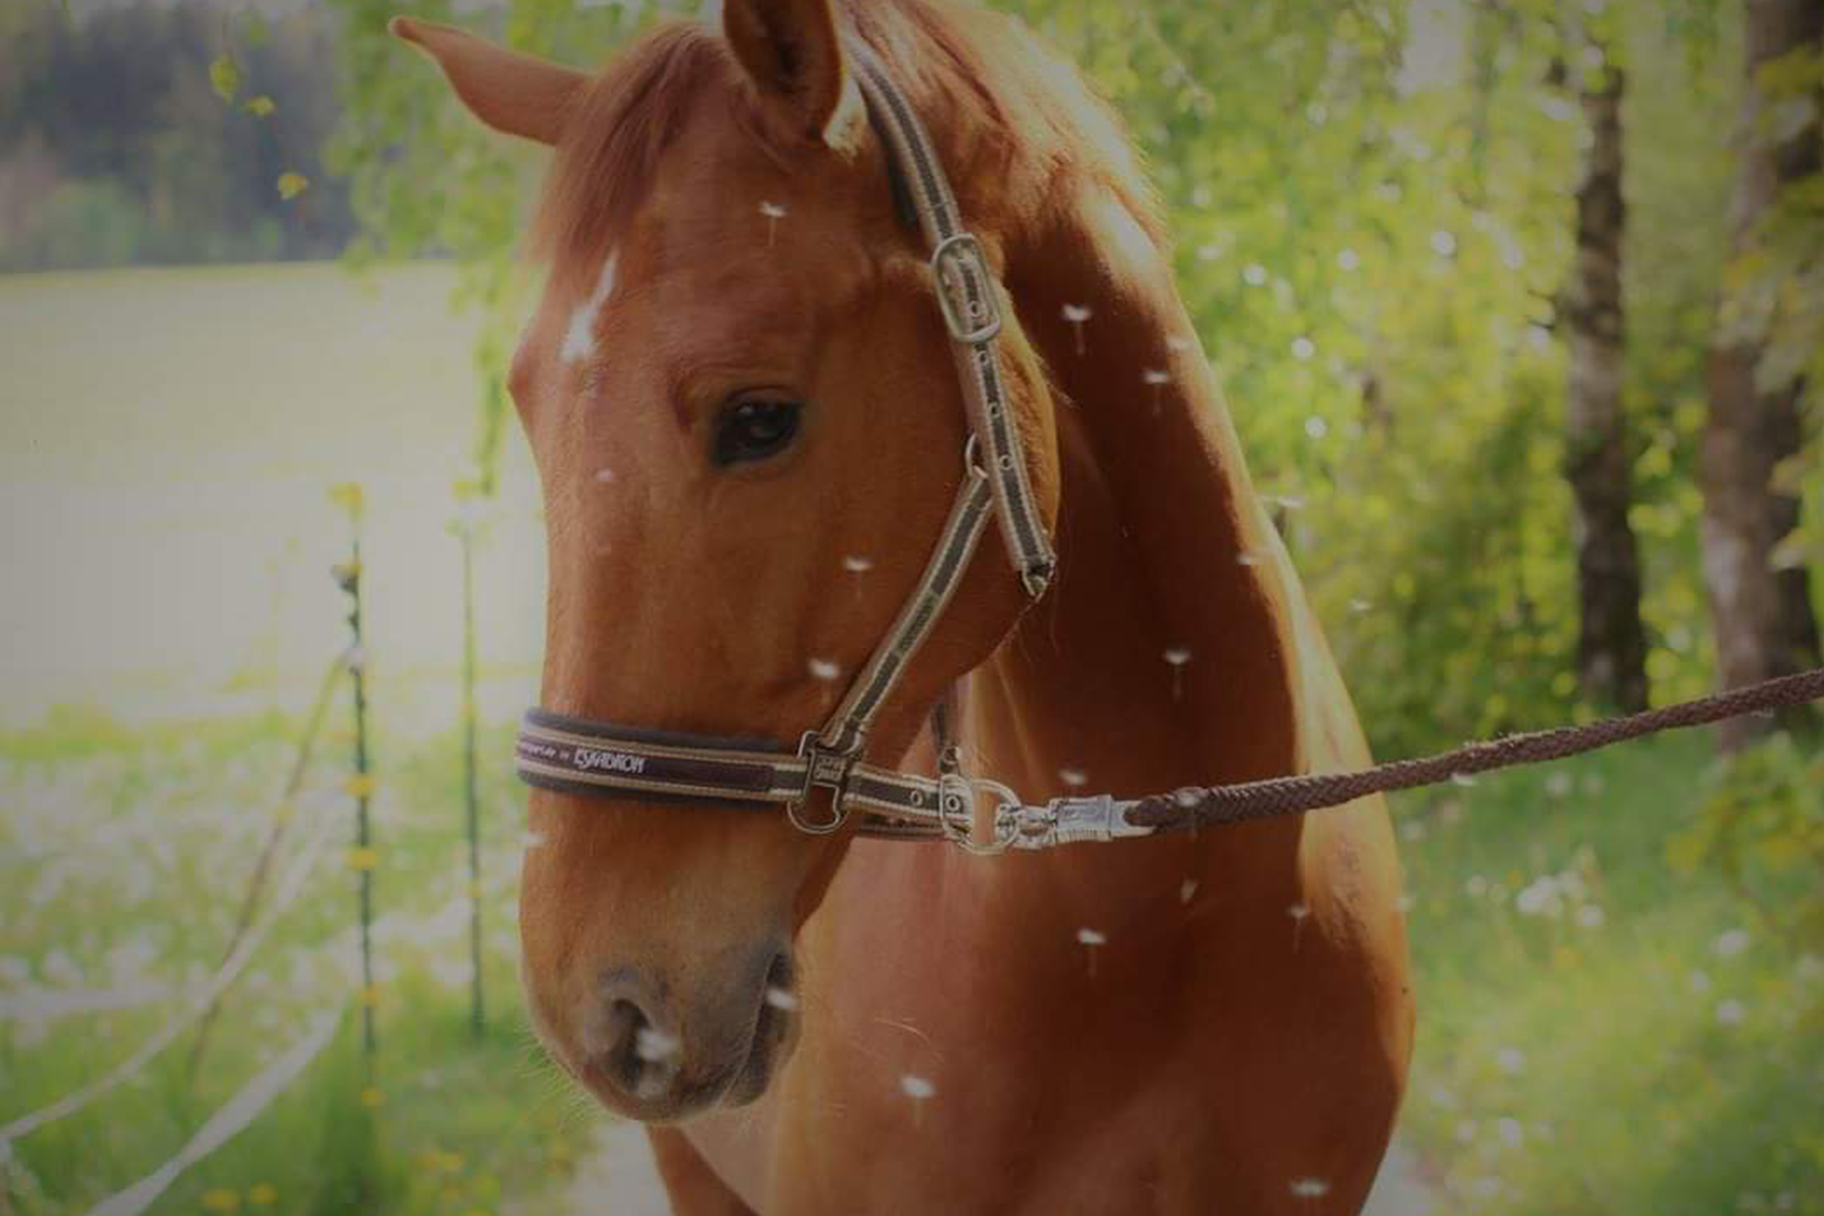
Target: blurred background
1519, 308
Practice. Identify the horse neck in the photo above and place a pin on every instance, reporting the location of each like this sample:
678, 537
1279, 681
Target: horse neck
1163, 655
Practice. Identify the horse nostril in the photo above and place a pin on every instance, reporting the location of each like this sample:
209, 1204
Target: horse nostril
781, 984
640, 1059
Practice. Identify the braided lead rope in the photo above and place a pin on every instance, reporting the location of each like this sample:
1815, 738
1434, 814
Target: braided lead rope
1194, 807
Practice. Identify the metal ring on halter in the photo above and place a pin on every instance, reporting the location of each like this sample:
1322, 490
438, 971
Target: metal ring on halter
972, 457
961, 834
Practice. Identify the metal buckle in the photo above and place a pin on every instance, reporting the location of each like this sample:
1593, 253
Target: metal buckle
1072, 820
824, 769
956, 796
970, 321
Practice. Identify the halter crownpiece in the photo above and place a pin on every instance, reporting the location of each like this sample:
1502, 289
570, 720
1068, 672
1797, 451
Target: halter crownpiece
574, 756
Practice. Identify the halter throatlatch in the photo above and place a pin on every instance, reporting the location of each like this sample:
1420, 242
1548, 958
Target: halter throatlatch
579, 757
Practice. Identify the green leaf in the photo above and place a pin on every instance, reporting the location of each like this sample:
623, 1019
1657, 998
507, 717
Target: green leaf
225, 76
291, 184
260, 106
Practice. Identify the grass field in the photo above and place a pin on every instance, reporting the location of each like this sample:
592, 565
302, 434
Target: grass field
1600, 1032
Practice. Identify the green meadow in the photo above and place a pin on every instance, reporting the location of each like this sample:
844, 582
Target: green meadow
1605, 1027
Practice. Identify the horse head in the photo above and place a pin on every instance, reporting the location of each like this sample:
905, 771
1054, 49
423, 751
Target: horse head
740, 395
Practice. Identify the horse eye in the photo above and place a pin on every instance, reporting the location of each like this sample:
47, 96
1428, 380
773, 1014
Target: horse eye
754, 428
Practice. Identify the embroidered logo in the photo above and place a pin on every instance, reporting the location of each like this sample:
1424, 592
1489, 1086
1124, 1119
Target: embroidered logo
589, 758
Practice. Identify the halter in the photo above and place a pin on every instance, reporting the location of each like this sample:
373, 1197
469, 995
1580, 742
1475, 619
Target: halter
593, 758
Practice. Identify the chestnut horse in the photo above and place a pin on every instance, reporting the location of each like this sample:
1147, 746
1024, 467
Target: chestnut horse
741, 400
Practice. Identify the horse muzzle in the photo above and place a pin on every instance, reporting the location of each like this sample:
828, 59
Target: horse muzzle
649, 1054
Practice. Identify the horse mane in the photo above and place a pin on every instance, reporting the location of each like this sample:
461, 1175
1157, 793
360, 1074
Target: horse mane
1004, 111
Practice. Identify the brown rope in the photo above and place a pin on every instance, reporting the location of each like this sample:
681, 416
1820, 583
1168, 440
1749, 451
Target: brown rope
1195, 807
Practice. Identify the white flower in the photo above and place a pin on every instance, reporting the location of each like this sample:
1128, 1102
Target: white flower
1443, 243
1732, 1013
1591, 916
1316, 427
1511, 1060
1731, 943
1540, 898
1510, 1131
1303, 348
1349, 259
1255, 274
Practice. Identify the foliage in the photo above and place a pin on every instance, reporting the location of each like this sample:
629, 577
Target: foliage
142, 838
1777, 289
155, 134
1761, 824
1600, 1032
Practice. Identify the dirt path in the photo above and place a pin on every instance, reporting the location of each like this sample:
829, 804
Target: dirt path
618, 1179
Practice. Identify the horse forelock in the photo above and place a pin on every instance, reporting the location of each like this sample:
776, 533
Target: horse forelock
1004, 111
614, 136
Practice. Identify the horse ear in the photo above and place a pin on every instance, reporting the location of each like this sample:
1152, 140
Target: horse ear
513, 93
791, 52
